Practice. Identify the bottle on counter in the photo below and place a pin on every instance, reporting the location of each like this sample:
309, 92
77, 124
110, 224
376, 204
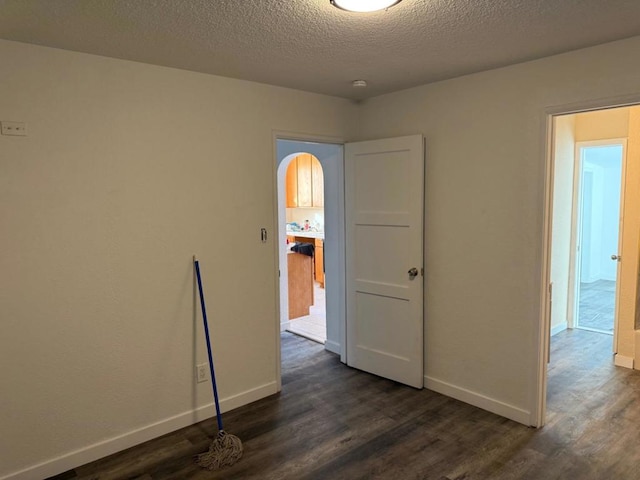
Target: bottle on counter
306, 225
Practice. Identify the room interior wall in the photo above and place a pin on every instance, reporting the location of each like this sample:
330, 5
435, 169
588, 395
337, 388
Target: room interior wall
127, 171
315, 215
563, 155
602, 124
592, 197
484, 222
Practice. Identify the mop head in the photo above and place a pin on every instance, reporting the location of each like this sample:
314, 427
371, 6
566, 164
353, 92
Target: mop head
224, 451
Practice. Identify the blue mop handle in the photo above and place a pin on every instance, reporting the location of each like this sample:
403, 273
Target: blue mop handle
206, 334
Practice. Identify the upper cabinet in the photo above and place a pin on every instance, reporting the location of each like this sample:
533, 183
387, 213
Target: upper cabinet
292, 183
305, 182
317, 183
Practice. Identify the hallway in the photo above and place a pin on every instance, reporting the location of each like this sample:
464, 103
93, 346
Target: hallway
597, 305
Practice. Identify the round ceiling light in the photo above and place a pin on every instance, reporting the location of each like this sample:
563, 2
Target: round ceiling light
364, 5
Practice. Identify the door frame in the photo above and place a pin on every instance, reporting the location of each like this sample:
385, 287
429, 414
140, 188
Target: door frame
576, 230
542, 335
308, 143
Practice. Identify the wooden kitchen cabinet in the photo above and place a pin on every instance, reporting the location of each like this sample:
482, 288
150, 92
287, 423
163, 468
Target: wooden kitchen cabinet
305, 182
319, 261
317, 183
300, 270
291, 184
318, 255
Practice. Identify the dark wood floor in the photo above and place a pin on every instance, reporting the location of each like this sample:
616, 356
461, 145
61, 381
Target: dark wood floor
332, 422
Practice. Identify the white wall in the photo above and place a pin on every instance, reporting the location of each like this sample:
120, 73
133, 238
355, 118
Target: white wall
602, 166
601, 211
485, 137
315, 215
127, 171
591, 222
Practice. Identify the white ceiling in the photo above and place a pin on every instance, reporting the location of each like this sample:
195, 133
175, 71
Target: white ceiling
311, 45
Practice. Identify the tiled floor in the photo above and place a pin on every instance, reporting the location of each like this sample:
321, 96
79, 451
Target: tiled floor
314, 325
597, 305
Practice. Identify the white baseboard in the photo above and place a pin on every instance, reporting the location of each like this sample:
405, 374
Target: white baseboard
333, 347
284, 326
113, 445
478, 400
622, 361
558, 328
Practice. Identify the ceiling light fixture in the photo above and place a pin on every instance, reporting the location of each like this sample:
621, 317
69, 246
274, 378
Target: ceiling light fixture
363, 5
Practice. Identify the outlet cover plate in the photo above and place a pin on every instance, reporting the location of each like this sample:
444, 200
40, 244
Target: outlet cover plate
201, 372
18, 129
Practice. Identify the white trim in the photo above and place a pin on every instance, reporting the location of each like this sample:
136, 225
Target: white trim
306, 137
558, 328
333, 347
275, 200
116, 444
622, 361
284, 326
478, 400
542, 337
575, 241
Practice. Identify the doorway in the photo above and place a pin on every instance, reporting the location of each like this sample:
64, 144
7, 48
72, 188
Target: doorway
305, 229
380, 167
597, 195
577, 219
330, 157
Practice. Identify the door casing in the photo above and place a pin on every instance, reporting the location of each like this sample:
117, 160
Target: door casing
542, 336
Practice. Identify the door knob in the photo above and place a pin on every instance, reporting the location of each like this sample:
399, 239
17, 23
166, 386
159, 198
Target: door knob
413, 272
616, 257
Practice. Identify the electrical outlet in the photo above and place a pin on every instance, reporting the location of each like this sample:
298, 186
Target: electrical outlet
201, 372
14, 128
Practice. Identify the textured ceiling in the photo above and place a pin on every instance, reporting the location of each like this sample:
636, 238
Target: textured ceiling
311, 45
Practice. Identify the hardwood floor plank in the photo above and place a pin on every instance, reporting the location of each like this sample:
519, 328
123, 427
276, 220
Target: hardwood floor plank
334, 422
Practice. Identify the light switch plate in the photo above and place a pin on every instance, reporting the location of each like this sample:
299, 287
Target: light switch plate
14, 128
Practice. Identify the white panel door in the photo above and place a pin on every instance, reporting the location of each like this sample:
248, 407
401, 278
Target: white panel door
384, 199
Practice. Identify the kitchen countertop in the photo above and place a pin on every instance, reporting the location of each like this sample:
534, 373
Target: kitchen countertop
306, 234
